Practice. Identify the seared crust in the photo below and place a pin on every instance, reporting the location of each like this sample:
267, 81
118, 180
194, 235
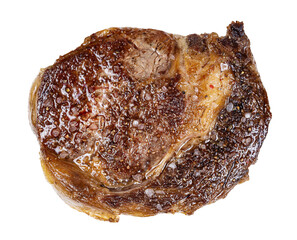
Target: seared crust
140, 122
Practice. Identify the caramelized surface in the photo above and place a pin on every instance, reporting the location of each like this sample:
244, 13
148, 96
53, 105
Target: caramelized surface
139, 121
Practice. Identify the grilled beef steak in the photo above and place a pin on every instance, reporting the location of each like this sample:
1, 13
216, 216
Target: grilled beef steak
139, 121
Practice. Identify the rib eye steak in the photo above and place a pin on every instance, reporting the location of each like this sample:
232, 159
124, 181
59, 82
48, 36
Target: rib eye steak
140, 122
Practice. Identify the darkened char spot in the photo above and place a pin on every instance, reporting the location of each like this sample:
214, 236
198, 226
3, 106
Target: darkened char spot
196, 42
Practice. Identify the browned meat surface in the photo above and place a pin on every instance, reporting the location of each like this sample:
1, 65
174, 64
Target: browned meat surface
138, 121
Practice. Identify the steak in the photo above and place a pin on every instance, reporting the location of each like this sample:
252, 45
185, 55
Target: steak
141, 122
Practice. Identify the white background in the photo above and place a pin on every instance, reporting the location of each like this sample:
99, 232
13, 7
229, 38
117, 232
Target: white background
35, 33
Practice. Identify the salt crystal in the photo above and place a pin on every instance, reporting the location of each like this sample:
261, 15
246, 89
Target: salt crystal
247, 141
172, 165
180, 160
164, 88
224, 67
147, 97
229, 107
202, 146
160, 192
197, 173
135, 123
63, 154
196, 152
93, 126
159, 207
195, 97
247, 115
101, 122
149, 192
58, 149
160, 129
137, 177
55, 132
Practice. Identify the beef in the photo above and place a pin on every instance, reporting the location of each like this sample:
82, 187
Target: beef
140, 122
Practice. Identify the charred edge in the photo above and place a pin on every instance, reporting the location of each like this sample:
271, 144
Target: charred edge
236, 30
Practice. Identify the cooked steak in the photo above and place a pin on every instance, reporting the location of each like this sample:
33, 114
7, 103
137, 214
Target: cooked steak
140, 122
